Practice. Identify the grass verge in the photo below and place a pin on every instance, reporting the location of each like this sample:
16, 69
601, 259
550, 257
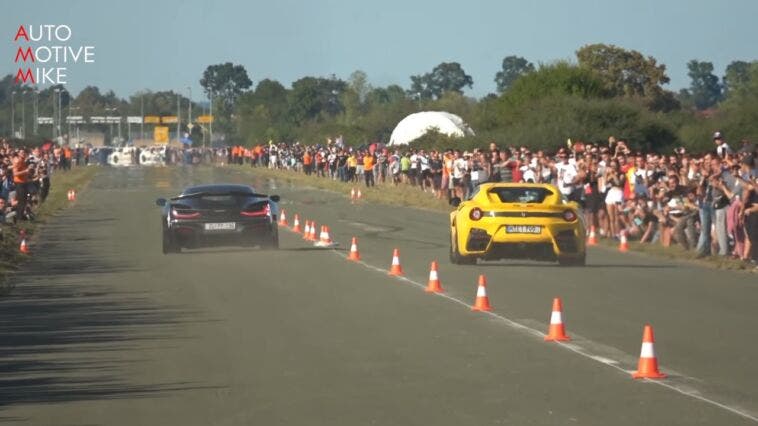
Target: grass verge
413, 197
10, 256
676, 252
402, 195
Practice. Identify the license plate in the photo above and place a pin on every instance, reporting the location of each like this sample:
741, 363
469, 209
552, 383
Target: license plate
224, 226
523, 229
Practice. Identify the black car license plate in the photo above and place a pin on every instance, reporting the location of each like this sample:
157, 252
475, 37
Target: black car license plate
220, 227
523, 229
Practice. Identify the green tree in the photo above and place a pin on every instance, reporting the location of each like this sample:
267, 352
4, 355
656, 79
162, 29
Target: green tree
704, 87
358, 82
737, 75
626, 72
312, 97
262, 114
386, 95
445, 77
555, 80
226, 81
513, 67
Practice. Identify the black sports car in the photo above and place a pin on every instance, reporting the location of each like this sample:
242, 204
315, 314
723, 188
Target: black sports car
220, 214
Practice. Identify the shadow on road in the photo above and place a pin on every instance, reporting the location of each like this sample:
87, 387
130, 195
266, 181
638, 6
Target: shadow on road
66, 334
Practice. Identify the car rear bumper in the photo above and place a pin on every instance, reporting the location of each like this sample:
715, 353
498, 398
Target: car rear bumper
194, 234
564, 240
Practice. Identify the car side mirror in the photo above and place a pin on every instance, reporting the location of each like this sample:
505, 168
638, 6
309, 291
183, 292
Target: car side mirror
455, 201
274, 198
160, 202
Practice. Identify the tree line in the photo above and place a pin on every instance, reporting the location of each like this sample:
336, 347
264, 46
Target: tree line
606, 90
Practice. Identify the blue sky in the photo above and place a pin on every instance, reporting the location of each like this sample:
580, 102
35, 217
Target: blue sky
167, 44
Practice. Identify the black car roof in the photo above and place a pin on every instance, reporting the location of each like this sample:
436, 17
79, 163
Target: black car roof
218, 188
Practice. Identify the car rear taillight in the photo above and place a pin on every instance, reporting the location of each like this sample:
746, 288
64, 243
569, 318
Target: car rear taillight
475, 213
265, 211
185, 214
569, 216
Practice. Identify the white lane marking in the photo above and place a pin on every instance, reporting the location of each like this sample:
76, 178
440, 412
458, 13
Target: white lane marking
686, 391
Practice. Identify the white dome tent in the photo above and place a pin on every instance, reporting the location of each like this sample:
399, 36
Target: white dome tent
416, 125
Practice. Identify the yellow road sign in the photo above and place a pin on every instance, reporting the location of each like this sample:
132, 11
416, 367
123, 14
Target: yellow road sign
160, 135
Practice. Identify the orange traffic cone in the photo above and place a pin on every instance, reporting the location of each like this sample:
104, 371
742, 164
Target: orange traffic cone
354, 254
23, 248
71, 195
482, 302
283, 219
395, 268
352, 194
358, 195
307, 230
592, 240
326, 238
312, 235
434, 285
296, 225
556, 332
648, 365
623, 243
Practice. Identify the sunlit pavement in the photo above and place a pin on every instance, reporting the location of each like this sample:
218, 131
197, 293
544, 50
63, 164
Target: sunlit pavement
103, 329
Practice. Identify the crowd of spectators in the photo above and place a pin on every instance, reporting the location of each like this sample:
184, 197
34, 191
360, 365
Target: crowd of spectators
25, 177
707, 203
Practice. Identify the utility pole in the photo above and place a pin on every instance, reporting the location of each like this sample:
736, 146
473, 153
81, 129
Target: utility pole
142, 114
53, 114
36, 113
189, 107
23, 114
204, 132
178, 118
13, 114
210, 125
60, 96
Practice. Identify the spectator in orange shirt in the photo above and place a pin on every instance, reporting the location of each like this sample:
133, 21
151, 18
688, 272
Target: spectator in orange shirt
368, 168
21, 179
308, 162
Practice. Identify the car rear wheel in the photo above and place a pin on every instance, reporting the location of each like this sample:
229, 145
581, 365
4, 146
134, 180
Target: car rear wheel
456, 257
169, 245
273, 242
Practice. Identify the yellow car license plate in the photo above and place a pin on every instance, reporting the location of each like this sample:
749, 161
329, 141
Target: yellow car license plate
523, 229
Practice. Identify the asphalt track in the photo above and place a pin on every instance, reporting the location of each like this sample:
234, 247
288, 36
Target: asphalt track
102, 329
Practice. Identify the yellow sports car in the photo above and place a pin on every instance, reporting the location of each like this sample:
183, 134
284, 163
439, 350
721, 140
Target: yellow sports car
516, 221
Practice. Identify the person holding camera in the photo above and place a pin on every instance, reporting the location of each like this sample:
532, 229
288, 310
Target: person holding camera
715, 196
